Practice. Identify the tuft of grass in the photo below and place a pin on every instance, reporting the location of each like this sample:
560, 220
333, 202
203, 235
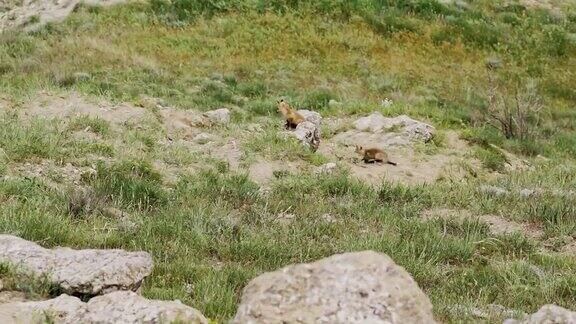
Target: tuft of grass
132, 183
94, 124
491, 158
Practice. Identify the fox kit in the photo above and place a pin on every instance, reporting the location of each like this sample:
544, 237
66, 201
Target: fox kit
372, 155
292, 117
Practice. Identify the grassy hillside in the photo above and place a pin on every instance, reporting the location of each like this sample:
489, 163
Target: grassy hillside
212, 228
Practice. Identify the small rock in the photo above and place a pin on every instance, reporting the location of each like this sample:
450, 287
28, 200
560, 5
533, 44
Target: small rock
81, 76
75, 270
361, 287
202, 138
113, 212
527, 193
462, 5
334, 104
326, 168
547, 314
494, 63
116, 307
285, 218
219, 116
386, 103
492, 190
328, 218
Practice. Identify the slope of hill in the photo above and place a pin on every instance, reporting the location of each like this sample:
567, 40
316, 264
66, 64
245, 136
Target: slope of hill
105, 143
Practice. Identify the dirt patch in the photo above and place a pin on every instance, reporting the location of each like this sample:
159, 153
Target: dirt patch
52, 174
264, 171
51, 106
180, 123
413, 166
497, 224
229, 152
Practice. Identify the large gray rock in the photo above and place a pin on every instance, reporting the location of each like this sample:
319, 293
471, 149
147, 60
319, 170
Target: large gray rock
410, 128
90, 272
219, 116
548, 314
308, 132
376, 130
121, 307
311, 116
362, 287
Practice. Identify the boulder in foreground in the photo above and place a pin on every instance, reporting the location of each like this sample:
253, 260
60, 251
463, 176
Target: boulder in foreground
90, 272
120, 307
361, 287
548, 314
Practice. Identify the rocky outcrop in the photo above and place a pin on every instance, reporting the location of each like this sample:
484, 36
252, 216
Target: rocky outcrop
493, 190
376, 130
326, 168
308, 132
90, 272
547, 314
409, 128
219, 116
362, 287
116, 307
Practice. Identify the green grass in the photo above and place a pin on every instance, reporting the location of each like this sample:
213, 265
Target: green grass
210, 228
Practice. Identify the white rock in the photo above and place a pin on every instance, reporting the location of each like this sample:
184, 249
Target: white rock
327, 168
548, 314
308, 134
122, 307
219, 116
90, 272
362, 287
202, 138
412, 129
528, 193
311, 116
493, 190
334, 104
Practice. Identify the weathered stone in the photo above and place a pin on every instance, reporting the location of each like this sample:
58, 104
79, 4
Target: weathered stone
362, 287
410, 128
308, 134
548, 314
116, 307
528, 193
219, 116
311, 116
89, 272
493, 190
327, 168
202, 138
